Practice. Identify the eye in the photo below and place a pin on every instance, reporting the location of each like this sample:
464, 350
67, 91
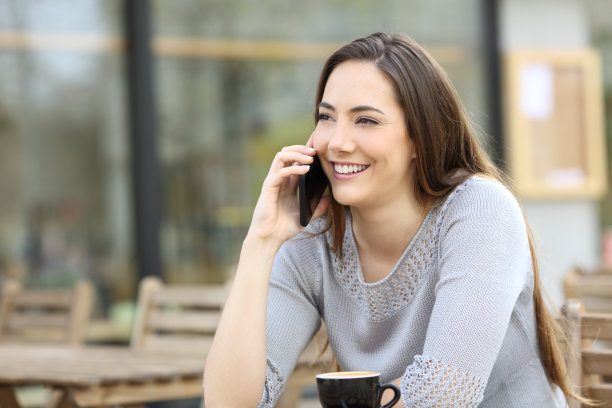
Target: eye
323, 117
366, 121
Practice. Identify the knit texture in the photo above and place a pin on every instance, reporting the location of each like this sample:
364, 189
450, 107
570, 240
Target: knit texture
454, 318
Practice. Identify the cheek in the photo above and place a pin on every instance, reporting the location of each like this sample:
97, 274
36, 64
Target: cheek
320, 138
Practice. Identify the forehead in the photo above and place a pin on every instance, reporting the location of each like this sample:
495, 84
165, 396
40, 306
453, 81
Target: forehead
357, 82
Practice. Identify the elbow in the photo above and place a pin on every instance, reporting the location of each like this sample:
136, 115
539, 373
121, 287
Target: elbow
234, 399
219, 393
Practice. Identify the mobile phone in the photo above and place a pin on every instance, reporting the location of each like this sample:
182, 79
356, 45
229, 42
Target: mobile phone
311, 187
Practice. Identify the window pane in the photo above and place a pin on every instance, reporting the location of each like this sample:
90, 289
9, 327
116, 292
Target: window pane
64, 169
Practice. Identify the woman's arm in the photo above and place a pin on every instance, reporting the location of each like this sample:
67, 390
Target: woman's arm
235, 370
236, 363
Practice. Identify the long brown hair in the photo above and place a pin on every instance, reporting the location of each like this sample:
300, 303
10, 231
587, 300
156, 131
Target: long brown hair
446, 145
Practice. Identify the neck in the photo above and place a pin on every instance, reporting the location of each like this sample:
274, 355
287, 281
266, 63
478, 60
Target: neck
383, 233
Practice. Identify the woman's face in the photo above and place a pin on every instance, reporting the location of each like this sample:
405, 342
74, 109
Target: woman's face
361, 138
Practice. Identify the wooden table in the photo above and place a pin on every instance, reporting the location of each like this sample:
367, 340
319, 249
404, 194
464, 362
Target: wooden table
98, 376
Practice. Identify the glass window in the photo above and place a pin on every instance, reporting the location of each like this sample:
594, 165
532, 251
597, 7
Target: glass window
64, 165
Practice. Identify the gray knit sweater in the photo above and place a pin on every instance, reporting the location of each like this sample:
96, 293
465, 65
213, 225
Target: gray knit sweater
454, 318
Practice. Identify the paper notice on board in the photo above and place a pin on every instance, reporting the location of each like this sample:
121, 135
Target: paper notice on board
568, 178
537, 92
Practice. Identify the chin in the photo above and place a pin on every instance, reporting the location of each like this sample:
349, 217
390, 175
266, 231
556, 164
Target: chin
346, 199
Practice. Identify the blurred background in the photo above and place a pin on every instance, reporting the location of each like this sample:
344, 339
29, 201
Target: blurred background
134, 136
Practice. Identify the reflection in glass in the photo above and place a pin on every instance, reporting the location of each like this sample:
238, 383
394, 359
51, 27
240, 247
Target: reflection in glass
63, 158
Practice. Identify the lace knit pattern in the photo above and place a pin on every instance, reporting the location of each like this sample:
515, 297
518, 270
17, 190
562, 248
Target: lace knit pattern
382, 299
275, 384
435, 384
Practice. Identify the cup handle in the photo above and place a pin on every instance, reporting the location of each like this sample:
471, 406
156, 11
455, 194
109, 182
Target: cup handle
396, 391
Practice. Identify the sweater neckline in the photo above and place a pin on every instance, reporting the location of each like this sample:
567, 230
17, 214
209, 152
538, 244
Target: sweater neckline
349, 245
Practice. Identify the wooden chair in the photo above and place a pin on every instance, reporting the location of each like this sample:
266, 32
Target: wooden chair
591, 365
183, 320
50, 315
177, 319
592, 288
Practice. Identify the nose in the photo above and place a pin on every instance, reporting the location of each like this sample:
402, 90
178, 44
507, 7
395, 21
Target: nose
341, 140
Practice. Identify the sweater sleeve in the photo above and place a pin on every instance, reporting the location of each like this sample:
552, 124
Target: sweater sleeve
484, 265
292, 314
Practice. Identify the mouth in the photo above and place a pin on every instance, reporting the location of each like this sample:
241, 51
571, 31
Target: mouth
349, 168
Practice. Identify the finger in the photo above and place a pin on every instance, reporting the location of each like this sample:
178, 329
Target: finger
276, 178
308, 150
289, 158
292, 184
293, 170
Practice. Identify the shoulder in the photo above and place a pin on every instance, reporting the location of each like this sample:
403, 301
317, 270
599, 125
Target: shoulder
483, 203
478, 194
483, 233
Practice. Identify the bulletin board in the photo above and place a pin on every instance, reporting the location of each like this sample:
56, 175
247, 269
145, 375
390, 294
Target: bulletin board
554, 123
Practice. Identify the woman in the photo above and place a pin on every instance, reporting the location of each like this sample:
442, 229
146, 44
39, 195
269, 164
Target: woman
420, 264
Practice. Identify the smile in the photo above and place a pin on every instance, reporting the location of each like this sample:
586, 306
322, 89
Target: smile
349, 168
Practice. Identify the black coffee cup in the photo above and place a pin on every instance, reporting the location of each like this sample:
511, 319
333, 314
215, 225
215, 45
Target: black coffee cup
353, 389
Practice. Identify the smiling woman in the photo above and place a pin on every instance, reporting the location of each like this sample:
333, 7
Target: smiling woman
421, 263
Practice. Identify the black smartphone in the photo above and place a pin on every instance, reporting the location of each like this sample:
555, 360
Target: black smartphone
311, 187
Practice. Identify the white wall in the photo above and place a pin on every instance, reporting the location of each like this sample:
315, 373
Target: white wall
567, 231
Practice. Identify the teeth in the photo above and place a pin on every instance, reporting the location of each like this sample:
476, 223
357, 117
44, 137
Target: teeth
349, 168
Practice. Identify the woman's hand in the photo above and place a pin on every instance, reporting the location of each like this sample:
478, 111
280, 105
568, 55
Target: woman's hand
276, 215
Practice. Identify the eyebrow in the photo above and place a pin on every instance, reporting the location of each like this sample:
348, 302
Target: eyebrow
360, 108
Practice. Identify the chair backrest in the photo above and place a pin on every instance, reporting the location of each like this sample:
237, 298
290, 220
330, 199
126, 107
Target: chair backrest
589, 336
49, 315
592, 288
177, 319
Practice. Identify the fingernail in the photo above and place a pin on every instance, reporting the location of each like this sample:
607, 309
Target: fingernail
312, 149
